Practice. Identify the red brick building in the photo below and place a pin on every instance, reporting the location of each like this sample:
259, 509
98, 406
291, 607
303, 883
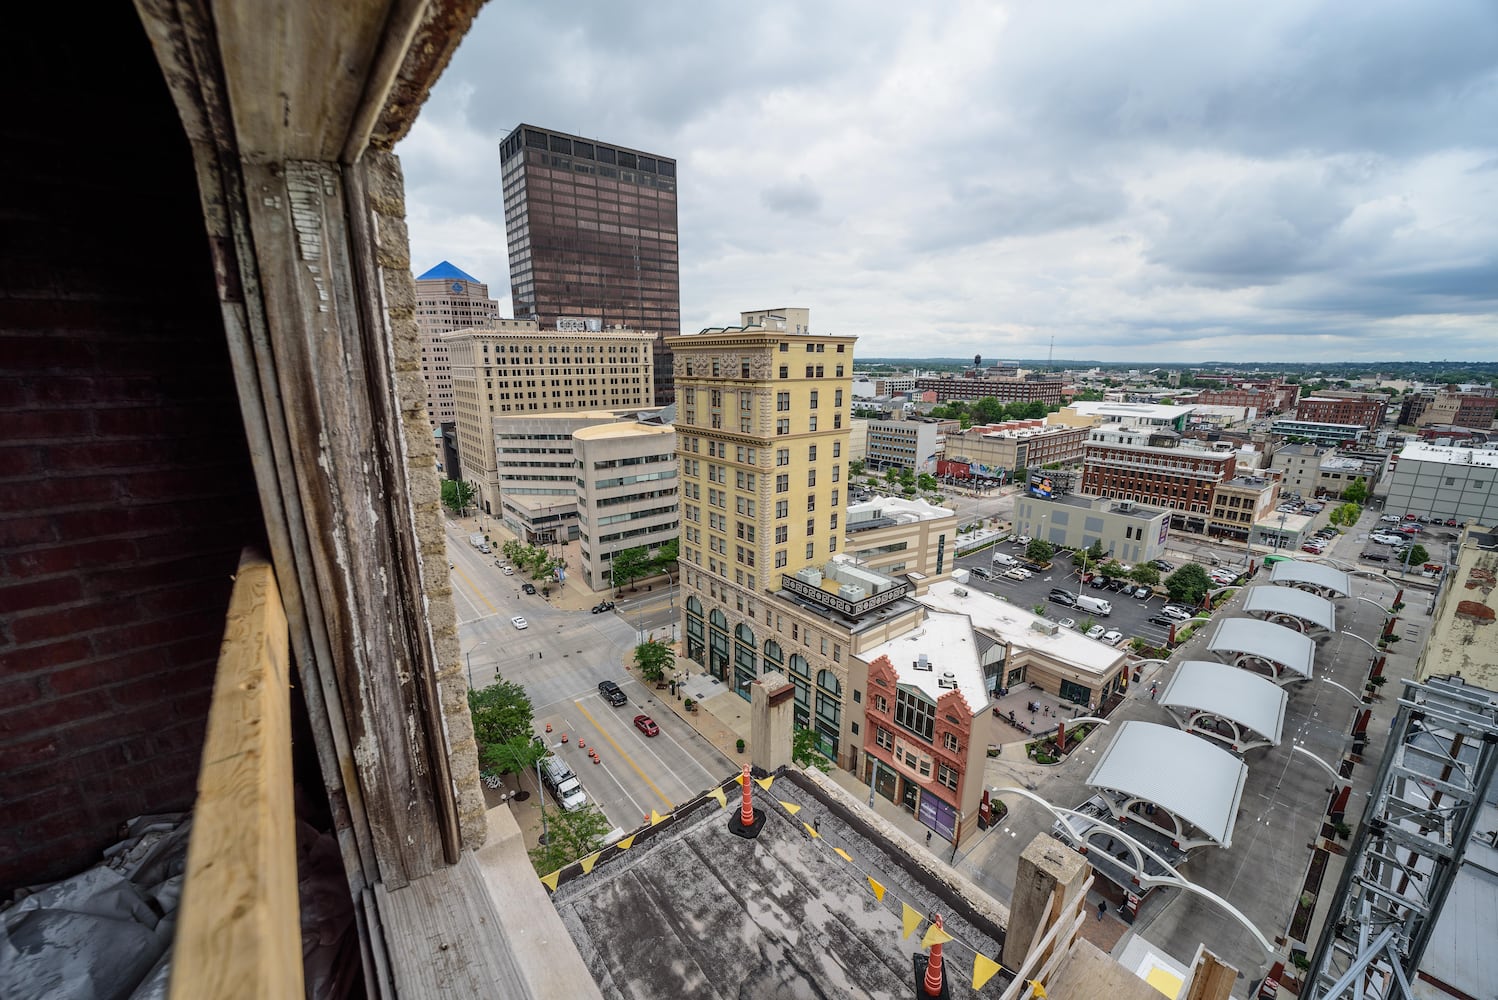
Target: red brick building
1183, 479
1006, 390
1365, 411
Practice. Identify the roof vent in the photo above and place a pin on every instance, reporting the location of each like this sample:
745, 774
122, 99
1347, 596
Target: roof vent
947, 680
960, 591
922, 662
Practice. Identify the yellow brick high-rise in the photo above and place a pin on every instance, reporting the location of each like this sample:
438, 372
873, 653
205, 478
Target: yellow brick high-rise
762, 439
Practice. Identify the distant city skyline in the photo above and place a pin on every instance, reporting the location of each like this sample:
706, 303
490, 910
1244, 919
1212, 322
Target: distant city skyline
1291, 182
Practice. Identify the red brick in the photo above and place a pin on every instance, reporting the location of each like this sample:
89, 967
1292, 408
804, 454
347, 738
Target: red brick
118, 520
81, 620
58, 492
18, 531
38, 594
46, 425
42, 716
14, 694
14, 662
37, 353
61, 558
23, 460
102, 673
85, 456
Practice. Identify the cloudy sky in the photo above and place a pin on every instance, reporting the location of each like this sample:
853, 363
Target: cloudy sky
1141, 181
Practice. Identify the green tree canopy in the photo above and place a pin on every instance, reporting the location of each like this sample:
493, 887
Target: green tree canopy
1146, 574
1039, 550
806, 750
457, 495
1356, 491
629, 565
1416, 556
665, 557
569, 836
855, 467
1188, 584
503, 726
654, 658
926, 481
1095, 553
1112, 568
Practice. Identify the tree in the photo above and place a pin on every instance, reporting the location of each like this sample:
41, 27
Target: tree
987, 410
1039, 551
570, 835
806, 749
1095, 553
1188, 584
892, 475
1146, 574
629, 565
653, 657
1416, 556
457, 495
926, 481
502, 726
666, 556
1347, 513
1112, 568
1356, 491
855, 467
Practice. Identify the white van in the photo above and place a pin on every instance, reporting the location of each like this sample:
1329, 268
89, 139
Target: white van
562, 782
477, 541
1094, 605
1004, 559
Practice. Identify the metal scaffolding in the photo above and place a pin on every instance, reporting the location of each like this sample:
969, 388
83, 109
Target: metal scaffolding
1424, 806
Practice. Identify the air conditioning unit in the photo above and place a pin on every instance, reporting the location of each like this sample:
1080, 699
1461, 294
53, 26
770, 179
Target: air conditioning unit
947, 680
960, 591
922, 662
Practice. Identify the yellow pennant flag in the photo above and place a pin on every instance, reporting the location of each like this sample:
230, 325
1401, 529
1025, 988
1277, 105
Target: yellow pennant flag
655, 817
1039, 989
765, 782
790, 807
739, 779
935, 935
589, 862
912, 919
550, 881
811, 829
878, 890
717, 793
626, 843
843, 854
984, 969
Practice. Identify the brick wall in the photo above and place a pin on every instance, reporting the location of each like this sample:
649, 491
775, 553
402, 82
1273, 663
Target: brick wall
125, 488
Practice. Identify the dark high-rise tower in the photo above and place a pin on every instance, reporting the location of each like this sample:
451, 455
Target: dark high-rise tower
592, 233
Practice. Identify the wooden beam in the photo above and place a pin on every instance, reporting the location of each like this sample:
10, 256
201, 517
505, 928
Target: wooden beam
1211, 978
239, 934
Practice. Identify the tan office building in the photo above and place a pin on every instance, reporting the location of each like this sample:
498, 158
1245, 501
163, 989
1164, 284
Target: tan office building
895, 537
627, 492
514, 367
447, 299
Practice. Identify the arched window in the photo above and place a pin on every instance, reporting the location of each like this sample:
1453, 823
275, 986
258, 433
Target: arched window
827, 680
745, 635
829, 712
801, 678
745, 665
694, 607
696, 633
774, 655
719, 619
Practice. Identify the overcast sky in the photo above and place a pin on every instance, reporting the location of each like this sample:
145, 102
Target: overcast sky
1154, 181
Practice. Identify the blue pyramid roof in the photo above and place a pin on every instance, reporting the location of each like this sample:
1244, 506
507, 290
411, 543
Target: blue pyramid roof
447, 270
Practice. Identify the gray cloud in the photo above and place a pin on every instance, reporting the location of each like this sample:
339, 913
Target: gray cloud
1152, 179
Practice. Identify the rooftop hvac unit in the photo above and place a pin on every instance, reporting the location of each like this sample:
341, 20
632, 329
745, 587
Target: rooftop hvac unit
960, 591
810, 574
1045, 627
947, 680
922, 662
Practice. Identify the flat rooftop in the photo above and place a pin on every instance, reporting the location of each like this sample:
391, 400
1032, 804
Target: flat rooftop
1419, 451
622, 429
696, 911
1014, 625
950, 646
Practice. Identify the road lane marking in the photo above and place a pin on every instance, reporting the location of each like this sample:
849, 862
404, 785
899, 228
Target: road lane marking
466, 579
627, 758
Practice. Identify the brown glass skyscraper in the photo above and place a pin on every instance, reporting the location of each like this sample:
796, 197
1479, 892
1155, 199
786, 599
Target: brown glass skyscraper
592, 233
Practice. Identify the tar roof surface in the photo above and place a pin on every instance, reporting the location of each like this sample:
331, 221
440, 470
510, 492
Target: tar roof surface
699, 912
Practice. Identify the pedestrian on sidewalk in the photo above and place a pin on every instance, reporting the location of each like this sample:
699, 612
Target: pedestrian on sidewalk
1102, 908
928, 838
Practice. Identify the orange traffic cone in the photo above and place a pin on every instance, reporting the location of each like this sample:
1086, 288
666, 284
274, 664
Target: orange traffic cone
548, 727
580, 744
564, 737
596, 759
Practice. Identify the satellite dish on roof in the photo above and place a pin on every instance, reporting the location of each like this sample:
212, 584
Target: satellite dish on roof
977, 360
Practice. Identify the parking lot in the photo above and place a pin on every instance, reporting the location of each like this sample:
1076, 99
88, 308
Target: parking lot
1130, 614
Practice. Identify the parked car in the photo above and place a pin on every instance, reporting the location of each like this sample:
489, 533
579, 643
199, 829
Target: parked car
603, 606
1390, 519
1384, 538
981, 573
612, 692
1376, 556
519, 622
1098, 582
646, 725
1033, 567
1067, 623
507, 571
529, 588
1142, 592
1177, 612
1016, 573
1451, 522
1164, 620
1163, 565
1065, 598
1022, 540
1096, 632
1313, 548
1113, 637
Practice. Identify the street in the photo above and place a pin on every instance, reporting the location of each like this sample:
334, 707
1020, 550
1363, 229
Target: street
559, 658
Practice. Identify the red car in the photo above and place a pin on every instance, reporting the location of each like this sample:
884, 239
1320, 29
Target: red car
646, 725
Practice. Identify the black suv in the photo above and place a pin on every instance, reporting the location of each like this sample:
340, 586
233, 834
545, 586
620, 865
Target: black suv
1063, 597
529, 588
603, 606
612, 692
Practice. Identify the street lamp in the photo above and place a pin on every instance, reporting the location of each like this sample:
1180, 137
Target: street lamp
469, 656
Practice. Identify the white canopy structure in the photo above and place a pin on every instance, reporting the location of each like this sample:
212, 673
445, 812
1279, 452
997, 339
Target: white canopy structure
1236, 707
1291, 607
1172, 782
1318, 578
1282, 654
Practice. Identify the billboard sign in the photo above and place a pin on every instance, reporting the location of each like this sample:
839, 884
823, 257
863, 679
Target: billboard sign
1042, 486
578, 324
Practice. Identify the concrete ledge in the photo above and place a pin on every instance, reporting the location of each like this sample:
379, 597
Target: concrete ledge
529, 923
